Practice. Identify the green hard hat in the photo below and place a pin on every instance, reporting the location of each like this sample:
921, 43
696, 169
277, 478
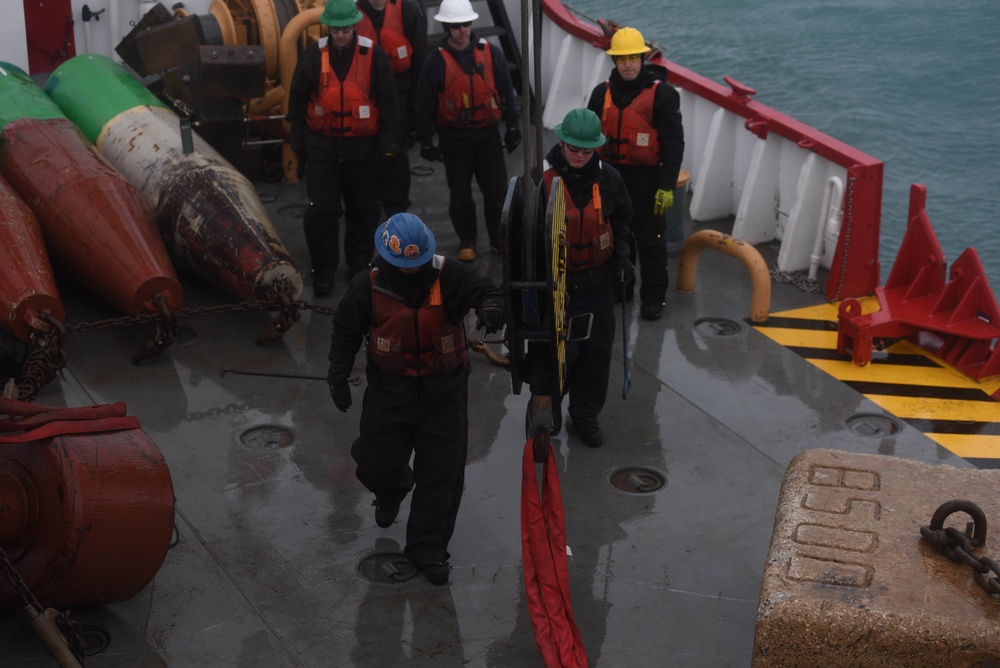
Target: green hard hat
340, 13
581, 128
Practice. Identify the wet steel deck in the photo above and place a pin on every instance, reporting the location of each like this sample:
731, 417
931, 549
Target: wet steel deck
270, 535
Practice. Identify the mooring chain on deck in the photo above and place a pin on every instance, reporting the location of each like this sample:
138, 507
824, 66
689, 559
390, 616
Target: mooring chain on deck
48, 357
45, 360
959, 546
69, 629
798, 279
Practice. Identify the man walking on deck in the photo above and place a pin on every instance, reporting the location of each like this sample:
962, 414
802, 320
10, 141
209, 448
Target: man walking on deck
463, 93
640, 114
598, 214
410, 312
400, 28
344, 115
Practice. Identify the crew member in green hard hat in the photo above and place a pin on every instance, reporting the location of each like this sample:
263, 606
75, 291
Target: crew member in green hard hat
640, 114
410, 311
344, 117
598, 216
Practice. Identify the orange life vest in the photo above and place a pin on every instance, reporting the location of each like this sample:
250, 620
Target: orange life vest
632, 139
589, 240
344, 108
414, 342
392, 37
469, 100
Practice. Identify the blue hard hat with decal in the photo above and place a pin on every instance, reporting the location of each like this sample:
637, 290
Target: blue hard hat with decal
404, 241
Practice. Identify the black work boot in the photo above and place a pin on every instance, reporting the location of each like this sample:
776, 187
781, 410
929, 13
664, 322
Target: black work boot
590, 431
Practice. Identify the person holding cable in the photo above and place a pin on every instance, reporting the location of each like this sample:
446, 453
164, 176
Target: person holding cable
409, 310
598, 216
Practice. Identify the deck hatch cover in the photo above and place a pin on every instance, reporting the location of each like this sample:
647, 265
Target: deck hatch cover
267, 437
386, 568
717, 327
873, 425
636, 479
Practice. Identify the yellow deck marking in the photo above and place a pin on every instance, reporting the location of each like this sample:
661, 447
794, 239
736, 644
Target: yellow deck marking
938, 375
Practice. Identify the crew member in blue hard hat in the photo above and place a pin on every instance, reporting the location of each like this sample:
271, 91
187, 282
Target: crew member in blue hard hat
598, 215
344, 117
640, 114
410, 311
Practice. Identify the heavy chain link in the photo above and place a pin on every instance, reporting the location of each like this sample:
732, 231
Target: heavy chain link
959, 546
69, 628
48, 357
798, 279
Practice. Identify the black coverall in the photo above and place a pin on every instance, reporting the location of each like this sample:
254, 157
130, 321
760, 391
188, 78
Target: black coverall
468, 152
425, 416
341, 172
649, 230
394, 172
589, 291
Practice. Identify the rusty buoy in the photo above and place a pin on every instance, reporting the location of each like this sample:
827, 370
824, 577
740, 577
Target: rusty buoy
86, 504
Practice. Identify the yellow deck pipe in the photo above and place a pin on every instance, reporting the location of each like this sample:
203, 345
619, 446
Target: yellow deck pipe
760, 300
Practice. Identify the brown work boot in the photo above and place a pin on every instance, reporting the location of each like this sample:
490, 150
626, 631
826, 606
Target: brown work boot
467, 251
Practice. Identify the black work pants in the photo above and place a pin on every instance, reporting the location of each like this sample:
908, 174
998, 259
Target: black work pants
588, 362
340, 188
483, 159
394, 171
394, 427
649, 238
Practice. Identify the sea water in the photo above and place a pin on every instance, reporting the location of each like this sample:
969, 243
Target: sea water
915, 84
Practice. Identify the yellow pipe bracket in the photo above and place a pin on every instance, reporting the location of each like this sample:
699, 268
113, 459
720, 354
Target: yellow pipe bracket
760, 277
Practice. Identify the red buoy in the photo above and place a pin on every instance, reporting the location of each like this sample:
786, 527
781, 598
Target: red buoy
86, 504
27, 287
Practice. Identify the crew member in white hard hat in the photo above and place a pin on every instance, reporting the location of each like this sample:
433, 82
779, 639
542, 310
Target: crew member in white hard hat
463, 94
344, 116
598, 215
640, 114
410, 311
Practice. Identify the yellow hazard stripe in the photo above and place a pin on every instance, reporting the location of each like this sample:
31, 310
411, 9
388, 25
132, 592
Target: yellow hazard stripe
970, 446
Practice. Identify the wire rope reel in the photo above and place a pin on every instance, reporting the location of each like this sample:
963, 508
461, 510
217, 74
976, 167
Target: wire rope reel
533, 238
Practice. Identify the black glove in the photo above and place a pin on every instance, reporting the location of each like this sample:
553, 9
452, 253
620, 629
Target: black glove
341, 393
430, 153
624, 270
512, 139
492, 318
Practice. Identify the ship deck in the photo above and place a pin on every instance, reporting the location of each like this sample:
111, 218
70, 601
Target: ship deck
272, 526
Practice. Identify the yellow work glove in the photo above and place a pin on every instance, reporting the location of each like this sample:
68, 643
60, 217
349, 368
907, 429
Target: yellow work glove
663, 201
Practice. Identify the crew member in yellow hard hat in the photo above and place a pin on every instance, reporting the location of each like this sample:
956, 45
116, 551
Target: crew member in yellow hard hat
344, 116
640, 114
463, 94
598, 215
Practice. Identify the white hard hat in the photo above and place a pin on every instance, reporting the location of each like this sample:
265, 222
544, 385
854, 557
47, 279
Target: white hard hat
455, 11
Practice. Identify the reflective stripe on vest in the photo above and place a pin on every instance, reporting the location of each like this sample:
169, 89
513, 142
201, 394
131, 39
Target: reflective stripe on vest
589, 240
392, 37
469, 100
344, 108
414, 342
632, 139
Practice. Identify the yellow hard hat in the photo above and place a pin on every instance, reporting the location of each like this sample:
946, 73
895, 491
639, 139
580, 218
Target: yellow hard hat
626, 42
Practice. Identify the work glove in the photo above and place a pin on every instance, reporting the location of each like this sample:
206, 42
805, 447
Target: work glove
624, 270
512, 139
492, 318
341, 393
663, 200
430, 153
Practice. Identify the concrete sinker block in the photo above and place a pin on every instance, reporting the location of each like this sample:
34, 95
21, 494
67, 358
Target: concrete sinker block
850, 582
